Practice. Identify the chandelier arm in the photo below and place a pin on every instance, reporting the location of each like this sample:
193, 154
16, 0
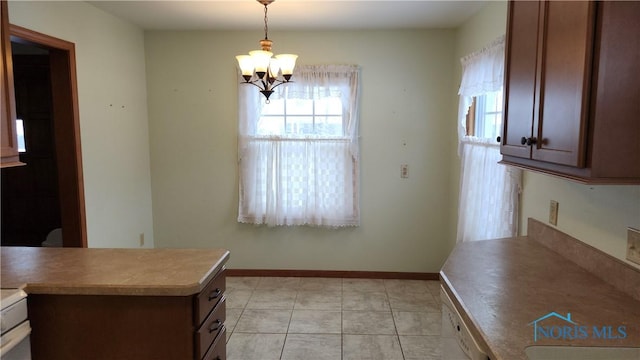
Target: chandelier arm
263, 85
280, 82
254, 84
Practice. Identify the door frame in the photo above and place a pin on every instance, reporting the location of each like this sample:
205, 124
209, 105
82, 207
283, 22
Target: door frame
66, 129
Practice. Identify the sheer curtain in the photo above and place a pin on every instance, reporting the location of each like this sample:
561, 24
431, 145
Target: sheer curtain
309, 179
488, 206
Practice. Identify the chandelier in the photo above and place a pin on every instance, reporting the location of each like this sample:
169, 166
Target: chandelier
261, 69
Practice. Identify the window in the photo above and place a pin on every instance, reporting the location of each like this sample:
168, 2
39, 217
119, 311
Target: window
484, 119
20, 131
298, 155
302, 118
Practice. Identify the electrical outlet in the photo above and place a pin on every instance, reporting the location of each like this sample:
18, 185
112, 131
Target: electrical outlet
404, 171
141, 239
633, 245
553, 213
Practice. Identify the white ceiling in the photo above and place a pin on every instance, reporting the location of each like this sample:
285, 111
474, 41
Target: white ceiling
292, 14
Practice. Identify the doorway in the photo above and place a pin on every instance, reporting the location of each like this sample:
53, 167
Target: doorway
30, 196
48, 192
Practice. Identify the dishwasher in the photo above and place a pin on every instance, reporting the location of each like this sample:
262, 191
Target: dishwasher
457, 342
14, 323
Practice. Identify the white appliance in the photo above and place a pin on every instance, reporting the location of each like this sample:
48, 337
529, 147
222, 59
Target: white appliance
457, 342
14, 325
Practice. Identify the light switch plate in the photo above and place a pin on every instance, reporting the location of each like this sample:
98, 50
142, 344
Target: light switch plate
633, 245
553, 213
404, 171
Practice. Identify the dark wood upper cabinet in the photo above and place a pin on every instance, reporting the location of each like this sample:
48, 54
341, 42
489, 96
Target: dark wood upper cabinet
572, 78
9, 155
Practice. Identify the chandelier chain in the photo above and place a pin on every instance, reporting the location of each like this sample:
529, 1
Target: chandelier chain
266, 27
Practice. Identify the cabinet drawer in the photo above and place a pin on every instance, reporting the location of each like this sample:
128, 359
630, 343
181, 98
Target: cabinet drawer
211, 328
218, 350
209, 297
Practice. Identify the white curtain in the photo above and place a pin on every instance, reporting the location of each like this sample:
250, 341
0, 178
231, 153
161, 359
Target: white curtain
482, 72
301, 180
488, 206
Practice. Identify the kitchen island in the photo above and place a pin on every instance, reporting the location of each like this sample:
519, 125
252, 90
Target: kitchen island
121, 303
518, 292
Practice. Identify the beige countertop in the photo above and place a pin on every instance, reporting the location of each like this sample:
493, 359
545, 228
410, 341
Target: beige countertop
81, 271
504, 285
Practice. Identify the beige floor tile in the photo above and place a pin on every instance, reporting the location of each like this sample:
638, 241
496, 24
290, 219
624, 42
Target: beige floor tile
233, 315
434, 287
280, 283
407, 286
371, 347
418, 323
255, 346
242, 282
368, 323
421, 347
321, 284
237, 299
438, 299
272, 299
312, 346
319, 300
315, 322
363, 285
263, 321
363, 301
413, 302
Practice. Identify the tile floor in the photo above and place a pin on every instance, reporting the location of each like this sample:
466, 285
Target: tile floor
271, 318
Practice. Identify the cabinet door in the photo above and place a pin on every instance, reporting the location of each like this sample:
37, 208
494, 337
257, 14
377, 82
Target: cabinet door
8, 140
520, 76
564, 72
615, 144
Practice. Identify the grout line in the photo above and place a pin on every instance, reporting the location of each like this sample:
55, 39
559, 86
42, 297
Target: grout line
341, 319
395, 326
286, 334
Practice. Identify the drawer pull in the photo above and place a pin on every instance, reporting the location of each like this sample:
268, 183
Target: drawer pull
215, 294
215, 326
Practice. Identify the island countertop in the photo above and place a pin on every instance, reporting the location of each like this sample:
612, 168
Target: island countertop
504, 287
83, 271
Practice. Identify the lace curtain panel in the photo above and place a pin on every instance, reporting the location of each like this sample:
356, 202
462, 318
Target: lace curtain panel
488, 206
291, 179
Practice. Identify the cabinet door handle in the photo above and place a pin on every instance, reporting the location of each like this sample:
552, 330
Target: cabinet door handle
215, 294
215, 326
498, 139
528, 141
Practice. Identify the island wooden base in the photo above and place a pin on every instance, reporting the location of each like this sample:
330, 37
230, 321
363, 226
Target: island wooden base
129, 327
